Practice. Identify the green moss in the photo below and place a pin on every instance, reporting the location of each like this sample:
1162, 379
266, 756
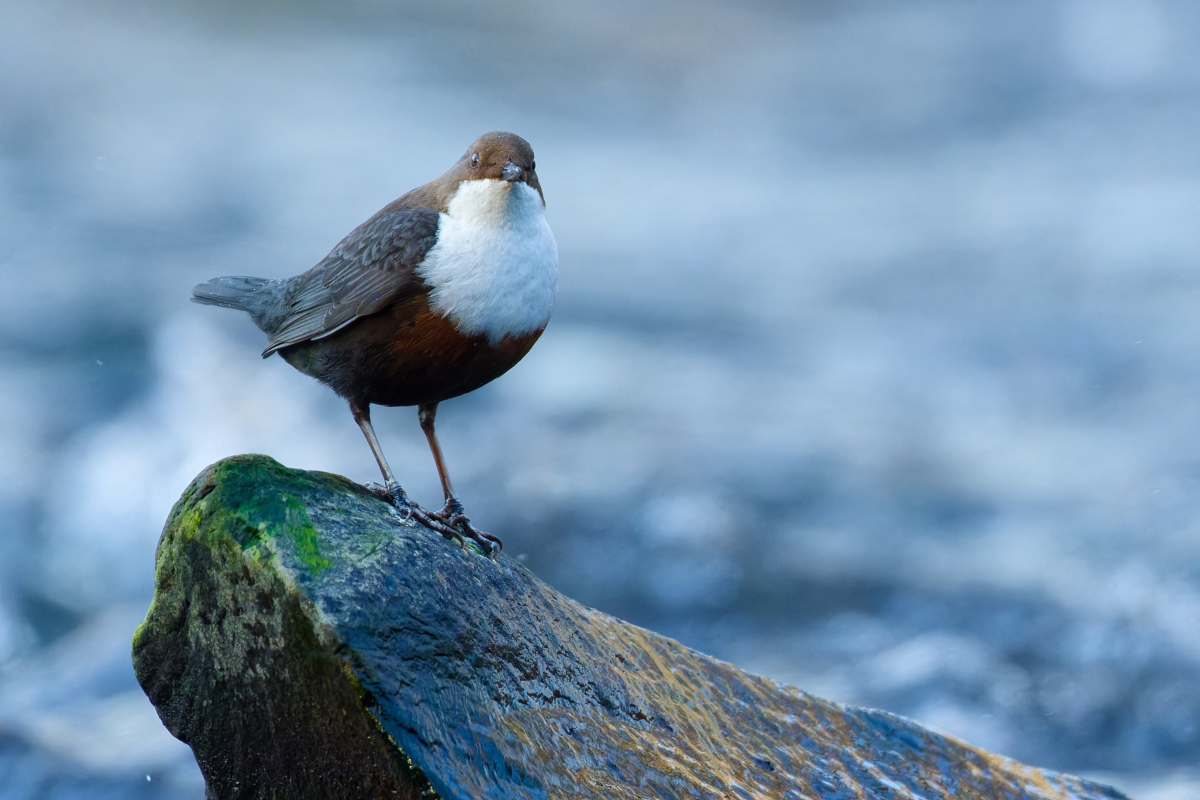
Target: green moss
246, 499
305, 537
189, 523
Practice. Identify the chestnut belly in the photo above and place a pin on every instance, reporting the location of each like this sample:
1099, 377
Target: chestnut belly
406, 355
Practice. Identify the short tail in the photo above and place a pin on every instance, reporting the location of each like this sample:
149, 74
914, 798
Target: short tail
232, 291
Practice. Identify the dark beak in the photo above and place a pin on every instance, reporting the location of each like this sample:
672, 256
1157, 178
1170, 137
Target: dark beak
511, 172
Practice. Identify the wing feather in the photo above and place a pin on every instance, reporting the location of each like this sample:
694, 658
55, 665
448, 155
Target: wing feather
372, 268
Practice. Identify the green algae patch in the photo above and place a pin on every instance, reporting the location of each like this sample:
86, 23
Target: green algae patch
246, 499
304, 536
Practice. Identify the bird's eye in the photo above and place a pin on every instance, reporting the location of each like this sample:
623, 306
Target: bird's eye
533, 166
474, 159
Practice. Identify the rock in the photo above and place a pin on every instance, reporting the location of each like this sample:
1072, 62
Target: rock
308, 642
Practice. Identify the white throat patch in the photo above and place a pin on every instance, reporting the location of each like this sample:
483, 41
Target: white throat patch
494, 269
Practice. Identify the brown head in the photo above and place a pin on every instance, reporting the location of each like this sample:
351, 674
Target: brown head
497, 155
500, 156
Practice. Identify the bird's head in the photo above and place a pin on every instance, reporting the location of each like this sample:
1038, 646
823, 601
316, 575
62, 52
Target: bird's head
500, 156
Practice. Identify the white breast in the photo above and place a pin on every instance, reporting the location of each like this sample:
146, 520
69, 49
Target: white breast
494, 269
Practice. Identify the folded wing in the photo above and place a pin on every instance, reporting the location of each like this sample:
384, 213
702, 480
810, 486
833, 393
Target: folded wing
372, 268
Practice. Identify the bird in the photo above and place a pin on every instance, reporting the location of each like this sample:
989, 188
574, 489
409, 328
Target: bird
441, 291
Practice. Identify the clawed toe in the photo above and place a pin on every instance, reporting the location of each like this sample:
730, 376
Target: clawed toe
453, 516
450, 522
487, 541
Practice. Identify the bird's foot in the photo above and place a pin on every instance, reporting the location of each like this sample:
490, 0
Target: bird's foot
450, 525
453, 515
379, 490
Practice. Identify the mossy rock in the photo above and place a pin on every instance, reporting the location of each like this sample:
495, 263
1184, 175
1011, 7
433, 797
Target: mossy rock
308, 642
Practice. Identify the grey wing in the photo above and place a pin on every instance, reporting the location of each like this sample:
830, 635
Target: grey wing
373, 267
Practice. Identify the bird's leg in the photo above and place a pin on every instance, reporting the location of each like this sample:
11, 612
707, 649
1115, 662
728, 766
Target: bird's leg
426, 415
452, 513
362, 415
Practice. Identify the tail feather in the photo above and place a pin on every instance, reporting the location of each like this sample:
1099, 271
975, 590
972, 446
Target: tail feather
234, 291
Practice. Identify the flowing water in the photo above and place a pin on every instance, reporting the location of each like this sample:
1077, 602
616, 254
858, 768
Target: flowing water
874, 368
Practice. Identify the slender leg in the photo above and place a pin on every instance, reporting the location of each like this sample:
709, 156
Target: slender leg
362, 415
453, 513
426, 414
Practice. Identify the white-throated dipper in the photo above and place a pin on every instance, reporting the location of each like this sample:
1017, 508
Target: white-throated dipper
440, 292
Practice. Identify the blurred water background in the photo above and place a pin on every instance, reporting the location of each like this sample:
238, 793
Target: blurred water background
874, 368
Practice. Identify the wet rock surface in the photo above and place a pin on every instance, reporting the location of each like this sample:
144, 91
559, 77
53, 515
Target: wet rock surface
308, 642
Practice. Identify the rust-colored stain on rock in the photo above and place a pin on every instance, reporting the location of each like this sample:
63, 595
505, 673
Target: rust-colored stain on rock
496, 686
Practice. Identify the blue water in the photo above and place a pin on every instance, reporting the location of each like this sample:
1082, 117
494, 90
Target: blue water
874, 368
